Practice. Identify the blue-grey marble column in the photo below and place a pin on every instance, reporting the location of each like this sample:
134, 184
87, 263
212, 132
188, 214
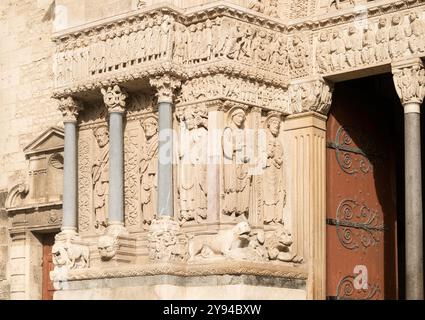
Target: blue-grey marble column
70, 108
409, 81
165, 86
114, 98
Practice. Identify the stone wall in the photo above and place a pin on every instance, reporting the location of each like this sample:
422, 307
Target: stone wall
26, 82
4, 252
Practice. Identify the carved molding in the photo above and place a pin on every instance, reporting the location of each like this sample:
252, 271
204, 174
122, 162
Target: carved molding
70, 107
203, 269
19, 191
409, 81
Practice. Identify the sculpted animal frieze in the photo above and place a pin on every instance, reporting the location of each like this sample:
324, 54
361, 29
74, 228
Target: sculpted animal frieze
70, 254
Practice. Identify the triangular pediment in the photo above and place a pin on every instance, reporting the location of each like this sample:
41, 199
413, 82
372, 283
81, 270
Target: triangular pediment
49, 140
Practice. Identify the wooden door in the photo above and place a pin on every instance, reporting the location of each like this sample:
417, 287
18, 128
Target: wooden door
47, 285
361, 197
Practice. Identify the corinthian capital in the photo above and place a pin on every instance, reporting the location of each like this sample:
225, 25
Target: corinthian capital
409, 81
311, 95
69, 108
165, 86
114, 98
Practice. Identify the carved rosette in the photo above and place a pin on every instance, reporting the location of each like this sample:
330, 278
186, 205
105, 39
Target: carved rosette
70, 107
312, 95
165, 87
409, 81
114, 98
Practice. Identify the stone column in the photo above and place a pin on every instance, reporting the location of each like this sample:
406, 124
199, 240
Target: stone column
70, 108
409, 81
165, 86
114, 98
306, 133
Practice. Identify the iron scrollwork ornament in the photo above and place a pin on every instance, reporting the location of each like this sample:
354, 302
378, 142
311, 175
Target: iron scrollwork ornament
357, 225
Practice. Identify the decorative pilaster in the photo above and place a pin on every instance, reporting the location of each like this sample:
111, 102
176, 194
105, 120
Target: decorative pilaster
409, 81
306, 131
165, 86
114, 99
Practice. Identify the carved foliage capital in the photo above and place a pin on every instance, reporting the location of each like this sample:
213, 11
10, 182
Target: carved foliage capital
70, 107
114, 98
409, 81
312, 95
165, 86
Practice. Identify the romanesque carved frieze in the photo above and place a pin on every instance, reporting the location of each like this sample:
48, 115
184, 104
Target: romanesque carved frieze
192, 167
409, 81
70, 107
377, 41
245, 91
313, 95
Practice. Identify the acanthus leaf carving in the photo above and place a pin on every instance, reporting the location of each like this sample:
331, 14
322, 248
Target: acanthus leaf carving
70, 107
165, 86
409, 81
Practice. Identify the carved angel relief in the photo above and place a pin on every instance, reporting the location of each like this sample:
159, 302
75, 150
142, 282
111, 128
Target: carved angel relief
192, 170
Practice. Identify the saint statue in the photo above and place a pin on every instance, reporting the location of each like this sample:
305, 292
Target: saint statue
100, 176
274, 193
193, 166
237, 180
149, 169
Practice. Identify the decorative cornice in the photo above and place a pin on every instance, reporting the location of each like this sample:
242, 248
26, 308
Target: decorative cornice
409, 81
114, 98
70, 107
165, 87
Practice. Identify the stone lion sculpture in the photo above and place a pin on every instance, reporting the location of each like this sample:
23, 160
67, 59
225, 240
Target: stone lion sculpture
278, 245
71, 255
221, 244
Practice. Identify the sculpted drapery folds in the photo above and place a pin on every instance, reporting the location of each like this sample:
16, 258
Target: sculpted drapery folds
274, 193
237, 181
149, 169
100, 177
193, 164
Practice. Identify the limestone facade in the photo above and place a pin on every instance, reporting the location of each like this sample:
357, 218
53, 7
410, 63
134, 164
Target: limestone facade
213, 115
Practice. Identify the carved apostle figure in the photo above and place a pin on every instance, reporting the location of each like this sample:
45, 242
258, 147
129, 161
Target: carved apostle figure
416, 32
274, 193
193, 166
337, 51
382, 39
148, 170
324, 52
397, 44
100, 176
237, 180
369, 40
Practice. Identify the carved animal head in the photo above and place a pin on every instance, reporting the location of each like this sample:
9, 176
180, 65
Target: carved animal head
59, 255
242, 230
107, 246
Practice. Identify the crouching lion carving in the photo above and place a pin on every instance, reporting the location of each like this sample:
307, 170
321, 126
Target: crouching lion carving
237, 243
71, 255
